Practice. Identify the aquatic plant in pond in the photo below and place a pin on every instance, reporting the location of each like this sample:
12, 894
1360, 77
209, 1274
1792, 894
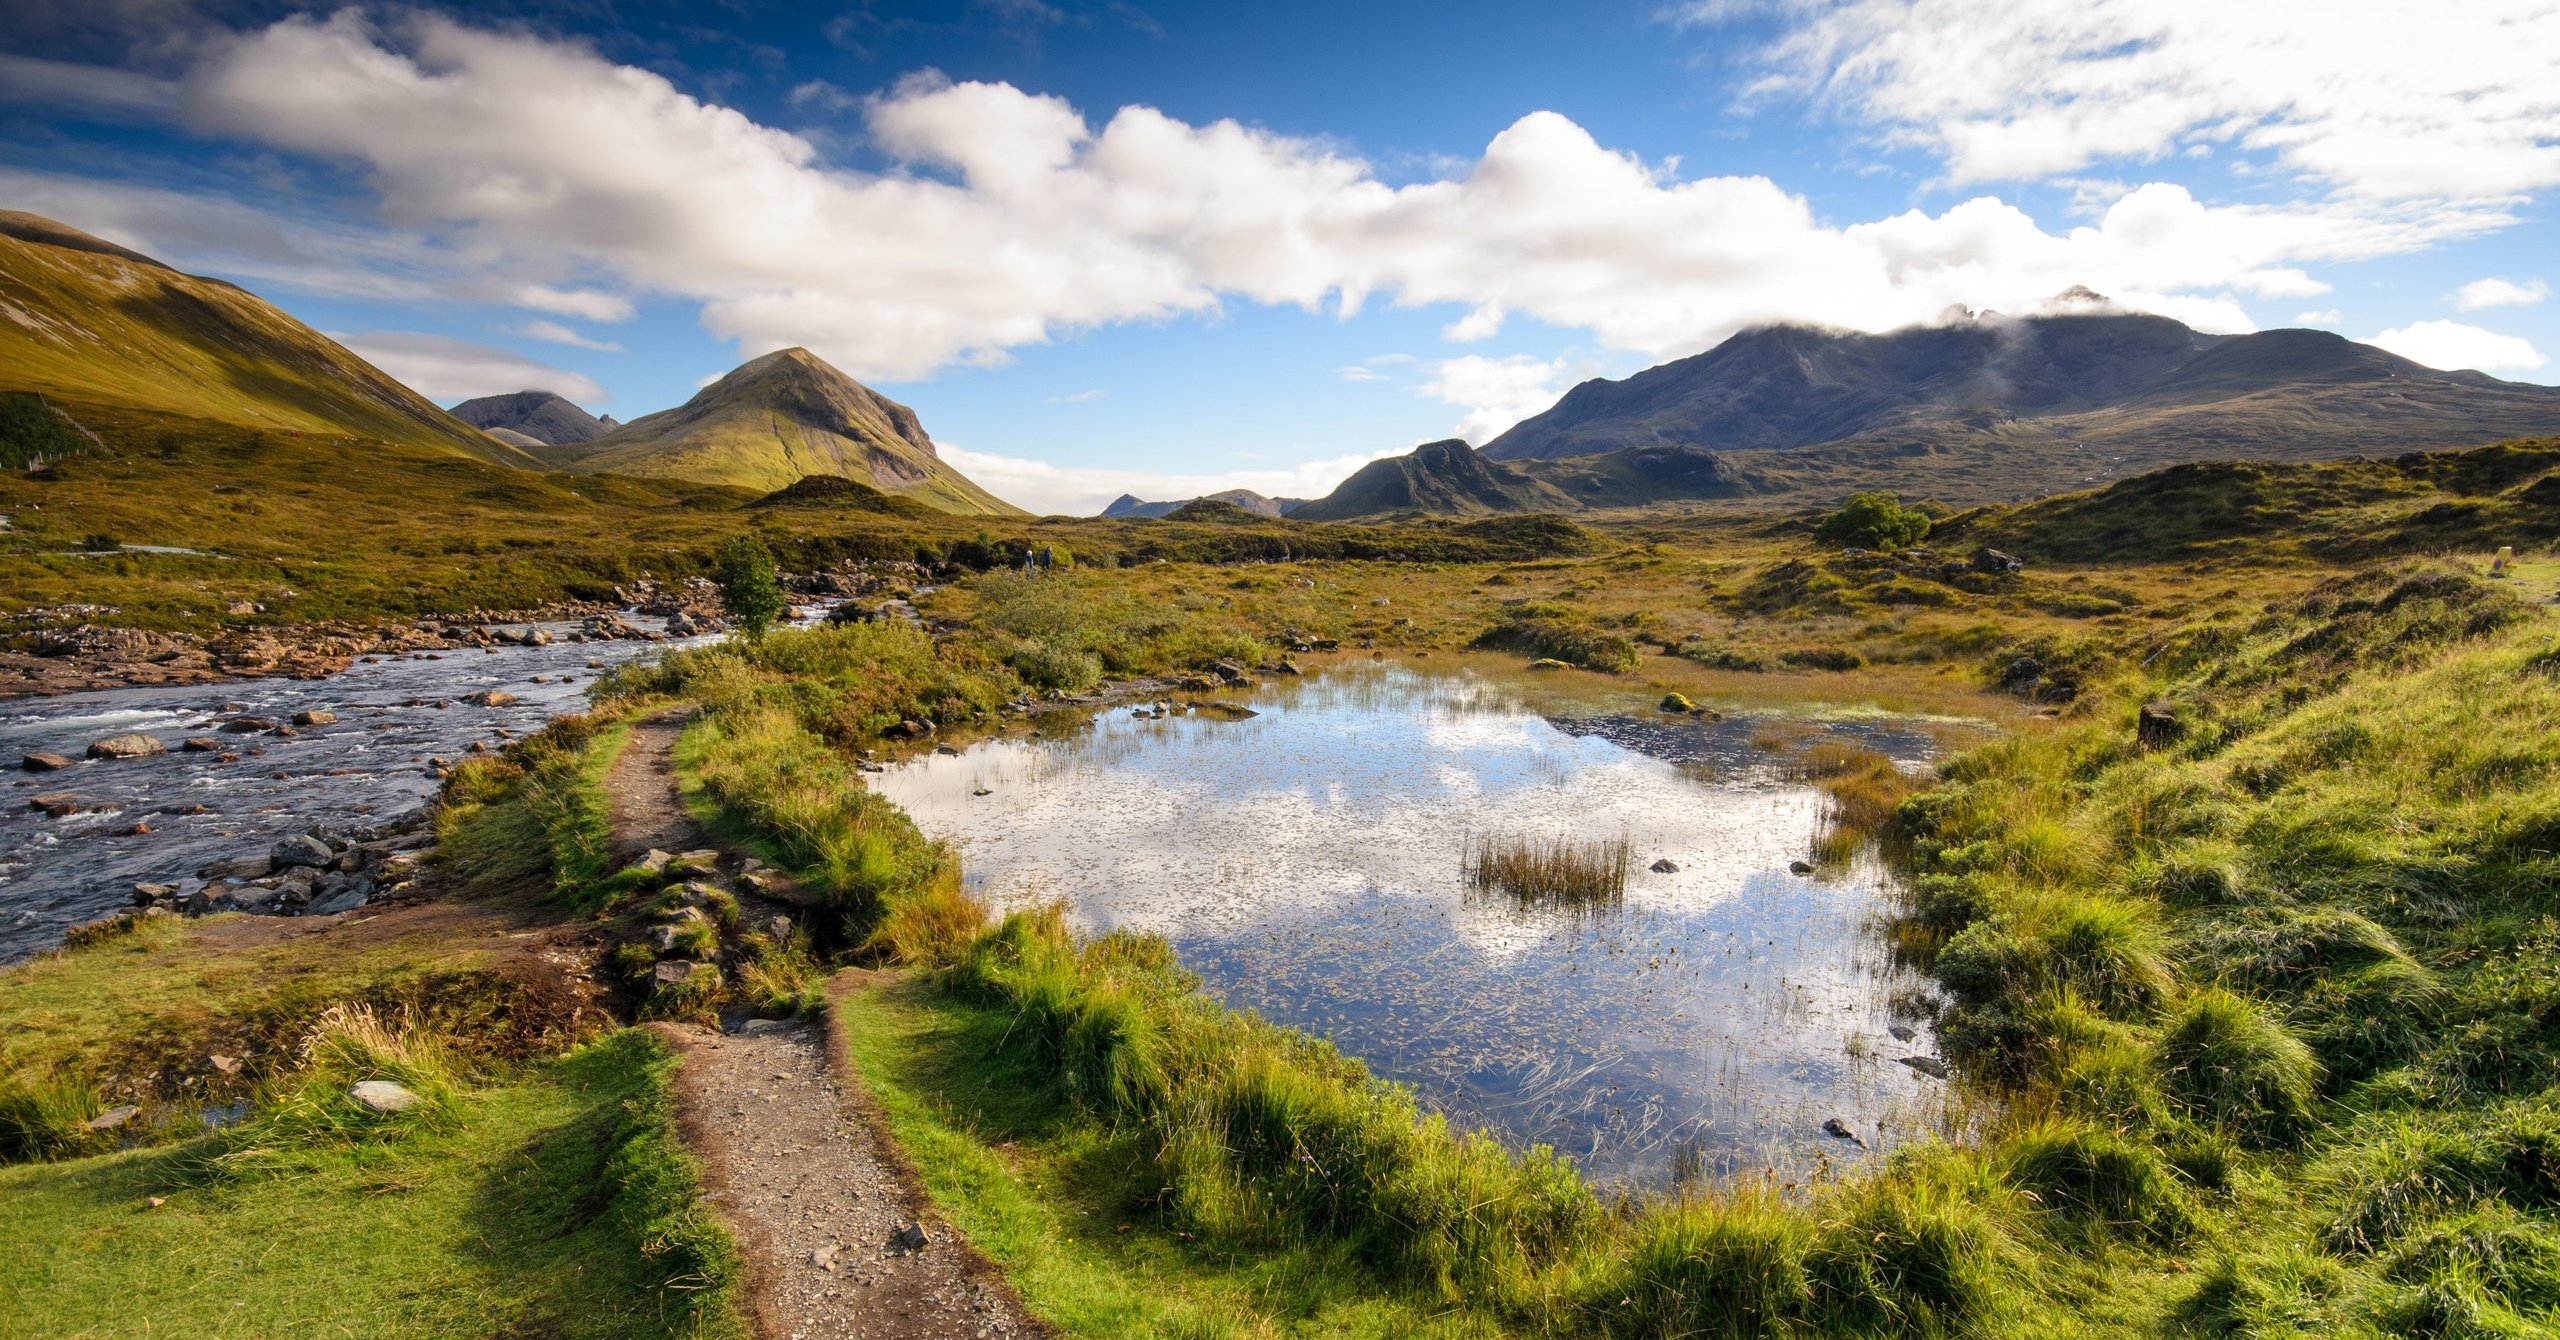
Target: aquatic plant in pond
1561, 870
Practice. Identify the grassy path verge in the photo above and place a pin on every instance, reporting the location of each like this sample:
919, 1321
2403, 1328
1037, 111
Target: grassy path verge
1057, 1201
558, 1205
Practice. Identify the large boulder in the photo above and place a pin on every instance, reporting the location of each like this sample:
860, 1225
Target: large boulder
136, 745
301, 852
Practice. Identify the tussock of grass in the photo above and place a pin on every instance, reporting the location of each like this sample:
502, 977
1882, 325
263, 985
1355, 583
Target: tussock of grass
311, 1105
2224, 1061
1559, 870
1557, 633
46, 1115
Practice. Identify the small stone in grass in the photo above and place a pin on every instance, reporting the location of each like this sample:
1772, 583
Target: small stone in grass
382, 1095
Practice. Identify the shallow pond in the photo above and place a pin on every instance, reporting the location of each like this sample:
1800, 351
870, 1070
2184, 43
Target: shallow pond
1307, 862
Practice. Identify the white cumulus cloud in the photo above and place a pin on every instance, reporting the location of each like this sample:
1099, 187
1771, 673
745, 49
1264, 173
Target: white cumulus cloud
2379, 98
1069, 490
1011, 218
2452, 345
445, 370
1499, 392
2493, 292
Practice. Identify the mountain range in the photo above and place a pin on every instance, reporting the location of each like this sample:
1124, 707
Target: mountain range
1130, 505
2110, 382
1988, 409
91, 323
1984, 409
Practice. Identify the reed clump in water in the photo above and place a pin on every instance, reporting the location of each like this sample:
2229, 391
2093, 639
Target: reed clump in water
1573, 871
1863, 786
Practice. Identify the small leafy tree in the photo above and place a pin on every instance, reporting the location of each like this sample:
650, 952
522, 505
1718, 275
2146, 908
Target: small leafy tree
1874, 521
750, 590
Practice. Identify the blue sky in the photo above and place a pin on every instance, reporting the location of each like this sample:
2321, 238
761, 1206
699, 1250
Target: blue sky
1169, 247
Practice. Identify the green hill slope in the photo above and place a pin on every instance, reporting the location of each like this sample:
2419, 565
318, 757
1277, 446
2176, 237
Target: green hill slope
780, 419
83, 321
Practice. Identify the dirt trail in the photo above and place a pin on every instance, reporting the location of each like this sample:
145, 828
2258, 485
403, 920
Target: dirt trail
824, 1209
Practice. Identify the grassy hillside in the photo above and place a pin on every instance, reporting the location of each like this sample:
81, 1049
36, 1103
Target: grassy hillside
86, 324
2474, 500
283, 523
780, 419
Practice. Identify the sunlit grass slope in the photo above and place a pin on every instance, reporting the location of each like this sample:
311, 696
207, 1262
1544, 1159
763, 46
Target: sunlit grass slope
87, 323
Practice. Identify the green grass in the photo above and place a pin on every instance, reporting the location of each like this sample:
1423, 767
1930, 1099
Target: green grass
1046, 1193
556, 1202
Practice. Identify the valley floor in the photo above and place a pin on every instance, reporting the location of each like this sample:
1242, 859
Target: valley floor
2245, 925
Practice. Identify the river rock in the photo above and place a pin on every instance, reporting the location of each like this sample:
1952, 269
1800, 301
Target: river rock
1799, 867
384, 1096
315, 716
238, 867
112, 1118
302, 851
201, 744
44, 763
247, 725
678, 971
493, 698
146, 894
345, 900
1839, 1130
136, 745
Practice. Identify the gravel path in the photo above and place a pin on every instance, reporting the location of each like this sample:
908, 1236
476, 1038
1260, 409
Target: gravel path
821, 1209
839, 1240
